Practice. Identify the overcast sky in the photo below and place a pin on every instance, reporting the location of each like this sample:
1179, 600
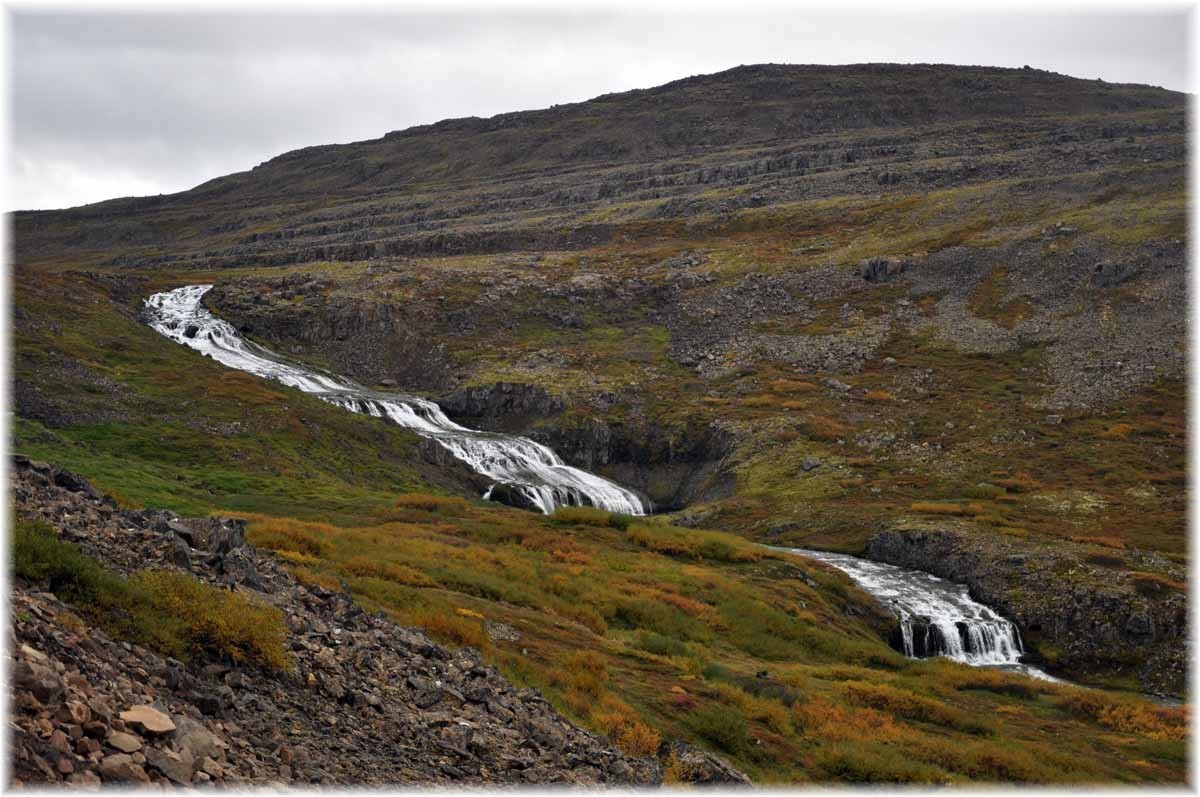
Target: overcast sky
106, 105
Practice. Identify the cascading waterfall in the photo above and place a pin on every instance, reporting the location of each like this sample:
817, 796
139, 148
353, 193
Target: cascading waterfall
937, 617
530, 468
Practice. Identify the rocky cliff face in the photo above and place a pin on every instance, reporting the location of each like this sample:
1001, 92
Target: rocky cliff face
1087, 614
367, 702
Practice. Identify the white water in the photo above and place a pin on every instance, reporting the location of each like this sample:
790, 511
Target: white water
531, 468
937, 617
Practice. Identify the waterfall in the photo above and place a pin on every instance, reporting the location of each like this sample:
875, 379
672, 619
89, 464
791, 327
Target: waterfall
529, 468
936, 617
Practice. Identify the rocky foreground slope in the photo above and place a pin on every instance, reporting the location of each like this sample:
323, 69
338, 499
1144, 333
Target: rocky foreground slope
366, 702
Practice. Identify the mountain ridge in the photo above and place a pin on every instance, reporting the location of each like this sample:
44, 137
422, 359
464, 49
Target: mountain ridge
765, 81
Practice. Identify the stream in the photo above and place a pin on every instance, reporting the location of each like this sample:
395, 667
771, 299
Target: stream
514, 463
937, 617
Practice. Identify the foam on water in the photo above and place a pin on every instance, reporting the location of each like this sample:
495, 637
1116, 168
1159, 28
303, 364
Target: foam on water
530, 467
937, 617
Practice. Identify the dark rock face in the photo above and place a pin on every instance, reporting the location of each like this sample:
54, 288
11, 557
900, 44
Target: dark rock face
510, 496
1087, 621
368, 702
880, 269
370, 341
501, 406
673, 467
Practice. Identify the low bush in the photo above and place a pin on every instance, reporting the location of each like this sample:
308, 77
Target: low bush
900, 703
431, 503
170, 612
937, 508
1159, 723
218, 623
723, 726
452, 629
694, 544
388, 571
866, 762
660, 645
590, 516
286, 534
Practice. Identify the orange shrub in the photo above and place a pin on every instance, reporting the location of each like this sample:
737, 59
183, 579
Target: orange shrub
323, 580
938, 508
1108, 541
1161, 723
287, 534
822, 427
622, 724
820, 719
452, 629
388, 571
431, 503
791, 386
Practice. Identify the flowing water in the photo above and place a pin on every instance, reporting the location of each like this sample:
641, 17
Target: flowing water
530, 468
937, 617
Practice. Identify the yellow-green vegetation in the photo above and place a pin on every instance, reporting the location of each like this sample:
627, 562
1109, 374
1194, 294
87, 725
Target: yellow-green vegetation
170, 612
645, 631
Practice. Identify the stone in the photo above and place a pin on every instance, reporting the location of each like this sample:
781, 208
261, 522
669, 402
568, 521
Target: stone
120, 767
76, 712
810, 464
196, 739
1054, 420
64, 765
180, 552
147, 720
38, 679
95, 730
176, 766
880, 269
125, 742
85, 779
60, 741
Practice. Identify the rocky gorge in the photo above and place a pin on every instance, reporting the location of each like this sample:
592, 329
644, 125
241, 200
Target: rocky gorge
1120, 614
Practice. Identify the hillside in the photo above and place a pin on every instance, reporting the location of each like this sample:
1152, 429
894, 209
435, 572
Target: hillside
931, 315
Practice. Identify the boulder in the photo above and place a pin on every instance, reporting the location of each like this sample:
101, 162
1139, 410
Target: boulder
148, 721
125, 742
178, 767
120, 767
38, 679
193, 737
880, 269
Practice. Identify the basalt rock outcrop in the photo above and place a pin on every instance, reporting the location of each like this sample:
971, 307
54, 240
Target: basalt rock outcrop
674, 467
367, 701
1083, 614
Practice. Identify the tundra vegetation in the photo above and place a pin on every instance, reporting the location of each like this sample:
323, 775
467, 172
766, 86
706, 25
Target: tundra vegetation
971, 323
